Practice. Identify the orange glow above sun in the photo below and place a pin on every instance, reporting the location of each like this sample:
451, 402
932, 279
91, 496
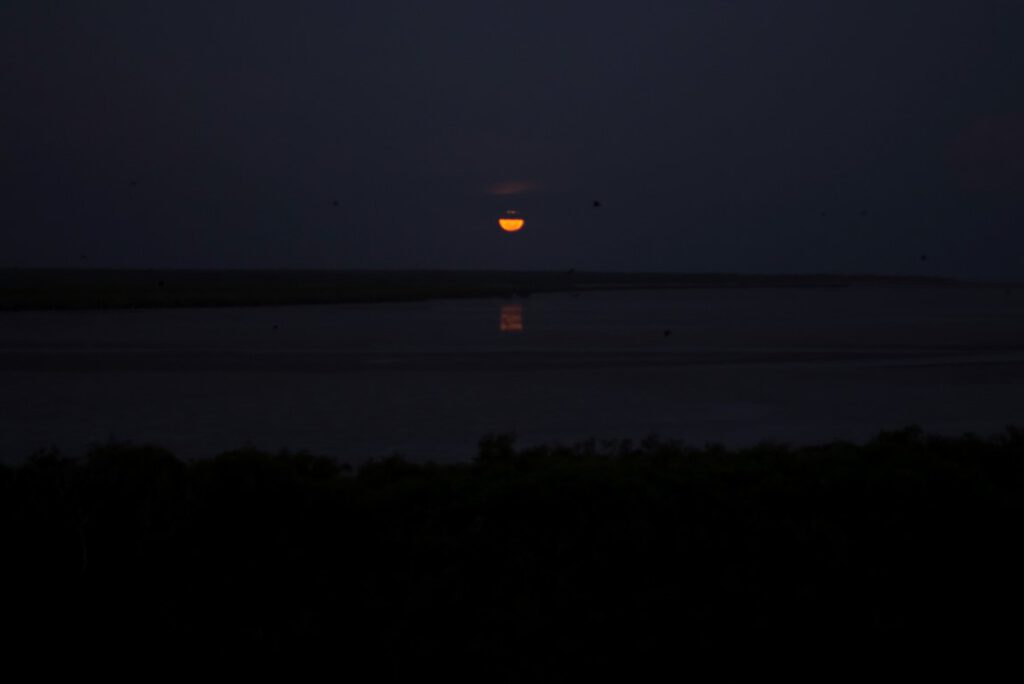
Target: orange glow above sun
510, 225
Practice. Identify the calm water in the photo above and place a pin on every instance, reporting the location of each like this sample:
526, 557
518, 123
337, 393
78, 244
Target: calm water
428, 379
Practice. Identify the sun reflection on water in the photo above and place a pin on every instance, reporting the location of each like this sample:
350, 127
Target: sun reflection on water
511, 318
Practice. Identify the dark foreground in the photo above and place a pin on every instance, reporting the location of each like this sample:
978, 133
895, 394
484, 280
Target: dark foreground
535, 565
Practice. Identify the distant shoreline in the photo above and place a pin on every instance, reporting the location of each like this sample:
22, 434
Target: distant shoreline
78, 289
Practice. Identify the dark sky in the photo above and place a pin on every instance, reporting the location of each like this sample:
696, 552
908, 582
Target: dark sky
724, 135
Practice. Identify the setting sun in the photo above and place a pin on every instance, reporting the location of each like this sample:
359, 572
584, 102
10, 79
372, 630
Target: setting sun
510, 223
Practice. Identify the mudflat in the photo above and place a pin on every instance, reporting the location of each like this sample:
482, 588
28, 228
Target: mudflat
429, 378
